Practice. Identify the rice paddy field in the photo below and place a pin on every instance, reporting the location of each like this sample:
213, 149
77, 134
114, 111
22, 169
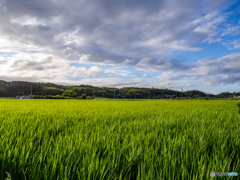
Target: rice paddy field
118, 139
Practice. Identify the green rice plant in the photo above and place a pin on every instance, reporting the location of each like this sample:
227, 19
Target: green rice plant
8, 176
118, 139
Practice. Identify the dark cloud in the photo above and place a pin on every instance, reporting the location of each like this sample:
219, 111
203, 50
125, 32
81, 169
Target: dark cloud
224, 70
108, 30
21, 64
122, 84
164, 65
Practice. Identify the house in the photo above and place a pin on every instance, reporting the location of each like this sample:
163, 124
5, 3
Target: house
26, 97
169, 96
236, 97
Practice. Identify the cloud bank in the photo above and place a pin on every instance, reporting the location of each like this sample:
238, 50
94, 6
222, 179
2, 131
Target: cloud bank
88, 41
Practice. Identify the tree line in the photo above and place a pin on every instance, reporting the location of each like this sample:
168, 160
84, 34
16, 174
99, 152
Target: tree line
12, 89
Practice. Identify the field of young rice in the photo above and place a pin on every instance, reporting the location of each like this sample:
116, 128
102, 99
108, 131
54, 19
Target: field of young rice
118, 139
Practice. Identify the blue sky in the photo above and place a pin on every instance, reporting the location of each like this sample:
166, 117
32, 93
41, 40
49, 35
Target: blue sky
163, 44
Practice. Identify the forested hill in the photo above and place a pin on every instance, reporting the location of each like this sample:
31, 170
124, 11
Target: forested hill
12, 89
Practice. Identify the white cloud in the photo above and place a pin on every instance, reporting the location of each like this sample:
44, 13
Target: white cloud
79, 72
108, 62
144, 61
235, 44
27, 21
44, 68
118, 72
84, 57
128, 61
94, 70
234, 30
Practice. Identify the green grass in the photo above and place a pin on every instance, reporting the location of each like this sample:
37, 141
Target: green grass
7, 97
111, 139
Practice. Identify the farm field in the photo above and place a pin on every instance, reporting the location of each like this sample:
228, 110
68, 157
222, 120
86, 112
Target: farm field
118, 139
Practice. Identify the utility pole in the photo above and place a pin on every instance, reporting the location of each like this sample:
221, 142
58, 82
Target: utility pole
103, 92
31, 90
182, 92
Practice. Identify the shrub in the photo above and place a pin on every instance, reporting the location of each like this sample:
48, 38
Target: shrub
74, 94
84, 96
65, 94
69, 94
55, 97
59, 96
